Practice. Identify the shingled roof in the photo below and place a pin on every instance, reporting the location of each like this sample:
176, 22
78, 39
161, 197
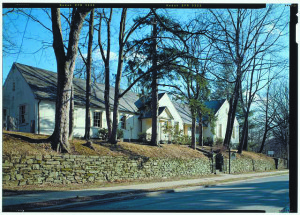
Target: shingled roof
215, 104
185, 113
146, 100
43, 84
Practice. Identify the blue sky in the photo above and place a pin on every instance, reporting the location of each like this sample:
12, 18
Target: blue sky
35, 42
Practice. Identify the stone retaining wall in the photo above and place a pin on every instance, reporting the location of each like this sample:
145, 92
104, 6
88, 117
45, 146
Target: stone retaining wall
67, 169
257, 165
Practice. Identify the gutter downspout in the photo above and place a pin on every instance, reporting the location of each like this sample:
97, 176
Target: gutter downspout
38, 109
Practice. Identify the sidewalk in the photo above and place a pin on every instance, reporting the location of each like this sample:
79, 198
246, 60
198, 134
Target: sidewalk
109, 192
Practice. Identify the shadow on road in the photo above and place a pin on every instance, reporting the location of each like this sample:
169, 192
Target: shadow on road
251, 194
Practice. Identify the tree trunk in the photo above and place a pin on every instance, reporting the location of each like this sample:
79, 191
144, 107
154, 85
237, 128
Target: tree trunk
200, 129
87, 134
154, 103
65, 67
106, 100
235, 98
193, 143
245, 145
243, 141
71, 114
60, 136
231, 114
113, 137
107, 72
264, 138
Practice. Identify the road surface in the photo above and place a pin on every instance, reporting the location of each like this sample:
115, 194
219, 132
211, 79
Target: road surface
270, 194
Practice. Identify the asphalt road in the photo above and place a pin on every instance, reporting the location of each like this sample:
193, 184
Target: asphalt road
270, 194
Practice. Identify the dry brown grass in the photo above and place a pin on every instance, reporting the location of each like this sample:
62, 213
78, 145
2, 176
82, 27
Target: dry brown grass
18, 146
255, 156
245, 154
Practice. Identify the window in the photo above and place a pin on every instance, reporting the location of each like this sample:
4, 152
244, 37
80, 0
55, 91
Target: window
97, 119
176, 126
4, 114
220, 130
123, 121
14, 86
233, 133
22, 114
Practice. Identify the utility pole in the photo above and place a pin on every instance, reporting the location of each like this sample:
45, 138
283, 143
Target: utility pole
229, 161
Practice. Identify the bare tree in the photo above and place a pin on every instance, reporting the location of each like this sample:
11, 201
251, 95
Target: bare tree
154, 86
244, 36
194, 85
106, 60
65, 68
123, 38
87, 135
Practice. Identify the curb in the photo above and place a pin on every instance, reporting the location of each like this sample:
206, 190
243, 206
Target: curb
101, 201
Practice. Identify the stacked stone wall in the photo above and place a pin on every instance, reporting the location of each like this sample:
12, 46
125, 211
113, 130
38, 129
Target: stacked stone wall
67, 169
241, 165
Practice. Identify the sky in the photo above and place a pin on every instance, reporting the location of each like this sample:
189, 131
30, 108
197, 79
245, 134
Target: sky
34, 42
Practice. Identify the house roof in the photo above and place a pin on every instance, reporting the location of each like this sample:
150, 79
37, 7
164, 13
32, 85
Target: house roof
148, 114
185, 113
215, 104
43, 84
146, 100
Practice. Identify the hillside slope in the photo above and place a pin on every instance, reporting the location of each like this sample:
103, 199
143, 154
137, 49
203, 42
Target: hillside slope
18, 143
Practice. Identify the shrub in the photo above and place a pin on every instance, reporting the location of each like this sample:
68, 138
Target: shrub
120, 134
144, 137
103, 133
185, 140
208, 141
219, 141
177, 136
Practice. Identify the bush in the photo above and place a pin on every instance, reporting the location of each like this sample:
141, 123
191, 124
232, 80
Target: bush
120, 134
103, 133
208, 141
144, 137
185, 140
219, 141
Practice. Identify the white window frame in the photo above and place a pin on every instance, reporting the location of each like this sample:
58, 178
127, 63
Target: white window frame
23, 115
176, 125
97, 122
233, 132
220, 130
123, 122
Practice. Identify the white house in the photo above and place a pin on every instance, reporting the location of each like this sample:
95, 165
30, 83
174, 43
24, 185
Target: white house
29, 95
